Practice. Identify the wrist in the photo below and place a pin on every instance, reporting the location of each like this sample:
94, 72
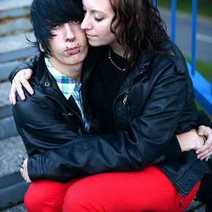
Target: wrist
187, 140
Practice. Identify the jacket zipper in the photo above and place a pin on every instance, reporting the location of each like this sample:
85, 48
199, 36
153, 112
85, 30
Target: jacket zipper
126, 92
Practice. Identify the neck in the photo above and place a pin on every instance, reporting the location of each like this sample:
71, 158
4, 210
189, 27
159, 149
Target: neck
117, 48
73, 71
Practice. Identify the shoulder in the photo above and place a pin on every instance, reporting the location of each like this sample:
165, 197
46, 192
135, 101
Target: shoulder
171, 52
169, 61
162, 69
32, 107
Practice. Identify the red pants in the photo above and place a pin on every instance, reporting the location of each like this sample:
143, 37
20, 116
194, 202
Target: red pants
138, 191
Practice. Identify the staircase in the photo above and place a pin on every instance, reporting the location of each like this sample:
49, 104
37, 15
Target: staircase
15, 27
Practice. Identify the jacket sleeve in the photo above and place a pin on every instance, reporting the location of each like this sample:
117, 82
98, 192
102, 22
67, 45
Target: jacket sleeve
204, 119
39, 123
142, 144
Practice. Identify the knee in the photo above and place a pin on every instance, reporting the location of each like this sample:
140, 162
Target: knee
34, 198
44, 194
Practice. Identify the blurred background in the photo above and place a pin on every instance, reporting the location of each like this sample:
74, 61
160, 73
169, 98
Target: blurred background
189, 23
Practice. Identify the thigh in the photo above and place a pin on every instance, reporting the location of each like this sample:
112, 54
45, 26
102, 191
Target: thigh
147, 190
45, 195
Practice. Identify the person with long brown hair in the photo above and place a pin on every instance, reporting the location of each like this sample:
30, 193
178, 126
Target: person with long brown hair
137, 96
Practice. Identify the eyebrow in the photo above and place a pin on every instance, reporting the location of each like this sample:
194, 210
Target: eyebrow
97, 12
94, 11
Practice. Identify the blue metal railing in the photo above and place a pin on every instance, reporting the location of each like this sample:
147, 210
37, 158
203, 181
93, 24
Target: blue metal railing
173, 20
202, 87
194, 33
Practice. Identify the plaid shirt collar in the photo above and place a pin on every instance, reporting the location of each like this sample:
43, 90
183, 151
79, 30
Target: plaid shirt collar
66, 84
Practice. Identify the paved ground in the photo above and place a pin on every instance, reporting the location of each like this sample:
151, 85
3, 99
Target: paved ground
12, 152
183, 26
12, 149
19, 208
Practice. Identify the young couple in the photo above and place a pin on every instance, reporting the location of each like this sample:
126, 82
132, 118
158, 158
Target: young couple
113, 126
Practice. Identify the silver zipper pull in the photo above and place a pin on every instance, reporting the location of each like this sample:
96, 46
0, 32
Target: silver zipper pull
125, 99
68, 114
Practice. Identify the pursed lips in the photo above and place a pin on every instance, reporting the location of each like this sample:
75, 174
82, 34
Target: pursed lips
73, 50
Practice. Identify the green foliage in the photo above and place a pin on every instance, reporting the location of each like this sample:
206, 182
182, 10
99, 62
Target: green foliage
204, 68
204, 6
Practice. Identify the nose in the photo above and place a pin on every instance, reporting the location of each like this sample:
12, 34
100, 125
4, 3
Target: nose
69, 33
85, 25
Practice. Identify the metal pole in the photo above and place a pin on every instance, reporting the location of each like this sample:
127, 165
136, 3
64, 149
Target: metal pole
194, 32
173, 19
155, 3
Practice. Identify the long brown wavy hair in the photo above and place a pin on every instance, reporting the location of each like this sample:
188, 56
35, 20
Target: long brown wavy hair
138, 27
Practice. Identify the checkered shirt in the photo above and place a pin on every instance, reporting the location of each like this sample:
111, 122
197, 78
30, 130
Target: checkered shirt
69, 87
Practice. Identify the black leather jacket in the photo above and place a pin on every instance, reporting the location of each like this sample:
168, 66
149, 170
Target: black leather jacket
154, 103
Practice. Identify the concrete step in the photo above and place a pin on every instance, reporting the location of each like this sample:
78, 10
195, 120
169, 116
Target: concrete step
14, 17
5, 111
14, 26
10, 60
14, 8
6, 68
16, 55
8, 128
12, 190
17, 49
12, 151
18, 208
4, 92
15, 42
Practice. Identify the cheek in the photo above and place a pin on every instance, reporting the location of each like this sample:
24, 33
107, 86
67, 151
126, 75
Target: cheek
84, 41
103, 31
106, 37
56, 48
80, 37
56, 42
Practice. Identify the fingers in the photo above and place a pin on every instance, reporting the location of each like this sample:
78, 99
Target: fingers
24, 171
19, 88
27, 73
205, 152
26, 85
12, 96
19, 82
204, 130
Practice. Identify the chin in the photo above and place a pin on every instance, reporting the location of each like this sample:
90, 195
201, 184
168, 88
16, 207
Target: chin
95, 43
